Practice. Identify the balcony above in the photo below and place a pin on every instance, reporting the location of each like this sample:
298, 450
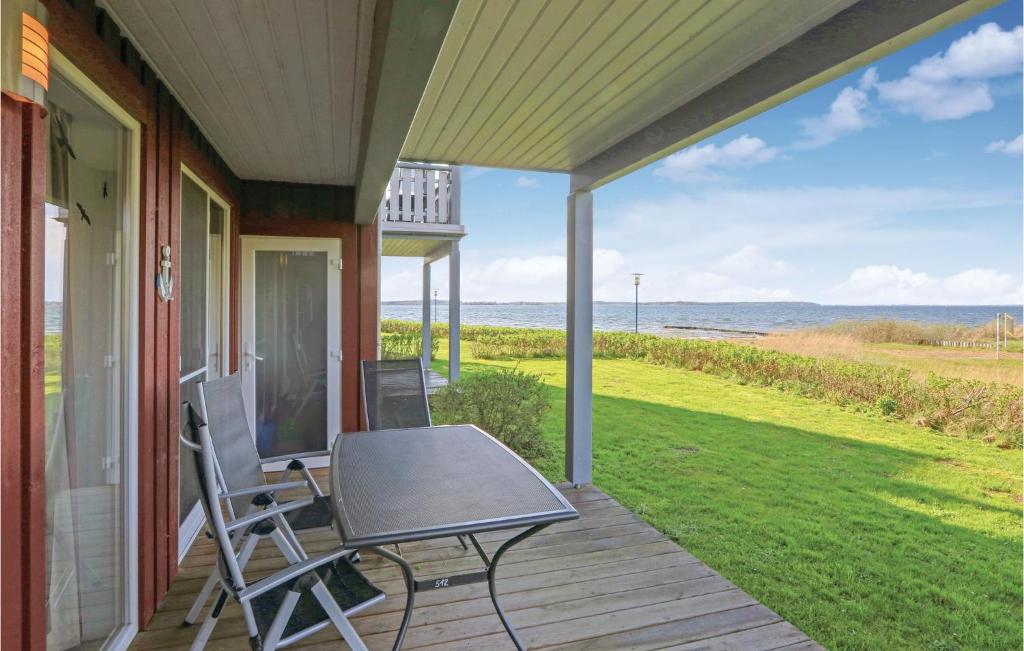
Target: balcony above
419, 213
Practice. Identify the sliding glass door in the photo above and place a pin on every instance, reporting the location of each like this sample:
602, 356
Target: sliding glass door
201, 291
88, 372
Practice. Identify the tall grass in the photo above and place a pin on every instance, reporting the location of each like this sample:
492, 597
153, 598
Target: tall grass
986, 410
888, 331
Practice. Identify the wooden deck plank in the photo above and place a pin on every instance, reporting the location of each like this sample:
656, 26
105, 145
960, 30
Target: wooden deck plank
605, 581
762, 638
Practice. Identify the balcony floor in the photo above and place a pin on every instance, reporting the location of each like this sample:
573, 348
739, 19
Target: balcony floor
605, 581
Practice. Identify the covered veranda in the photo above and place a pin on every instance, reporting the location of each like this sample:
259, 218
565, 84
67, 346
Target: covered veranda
287, 120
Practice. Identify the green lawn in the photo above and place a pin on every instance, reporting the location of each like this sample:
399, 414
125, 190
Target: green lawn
865, 533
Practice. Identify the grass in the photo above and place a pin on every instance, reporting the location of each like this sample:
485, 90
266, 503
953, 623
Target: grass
891, 331
984, 410
863, 532
967, 363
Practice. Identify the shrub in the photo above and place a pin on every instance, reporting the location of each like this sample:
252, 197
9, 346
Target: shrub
887, 405
508, 404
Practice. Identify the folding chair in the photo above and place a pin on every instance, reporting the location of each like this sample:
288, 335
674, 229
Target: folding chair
293, 603
239, 472
395, 397
394, 394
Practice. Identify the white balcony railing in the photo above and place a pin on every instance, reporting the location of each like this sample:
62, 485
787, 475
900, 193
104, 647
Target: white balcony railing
420, 193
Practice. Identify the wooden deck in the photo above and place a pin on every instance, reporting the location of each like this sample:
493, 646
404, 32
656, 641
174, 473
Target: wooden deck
435, 381
605, 581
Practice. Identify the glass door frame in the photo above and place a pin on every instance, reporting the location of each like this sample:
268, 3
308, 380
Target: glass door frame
332, 247
190, 527
129, 331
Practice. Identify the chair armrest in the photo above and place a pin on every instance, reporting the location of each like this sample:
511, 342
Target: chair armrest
291, 572
299, 455
265, 488
259, 516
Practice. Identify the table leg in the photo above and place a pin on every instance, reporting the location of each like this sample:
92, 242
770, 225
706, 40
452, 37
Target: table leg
410, 590
411, 585
492, 569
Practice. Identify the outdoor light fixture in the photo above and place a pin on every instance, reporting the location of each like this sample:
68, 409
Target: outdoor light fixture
35, 51
636, 302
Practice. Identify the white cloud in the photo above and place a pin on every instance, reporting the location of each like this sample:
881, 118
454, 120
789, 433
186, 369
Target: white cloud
953, 84
738, 244
885, 284
1012, 148
527, 182
992, 285
848, 113
885, 276
696, 163
533, 278
752, 259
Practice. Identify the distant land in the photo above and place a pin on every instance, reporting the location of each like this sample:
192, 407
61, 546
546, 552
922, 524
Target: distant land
655, 317
442, 301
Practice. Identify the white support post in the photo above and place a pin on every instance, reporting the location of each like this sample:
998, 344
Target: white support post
425, 353
454, 314
455, 280
579, 326
380, 254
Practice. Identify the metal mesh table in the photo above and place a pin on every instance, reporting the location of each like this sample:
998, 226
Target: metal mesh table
400, 485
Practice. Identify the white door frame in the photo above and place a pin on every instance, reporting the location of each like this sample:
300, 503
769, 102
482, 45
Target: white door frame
247, 335
129, 343
193, 523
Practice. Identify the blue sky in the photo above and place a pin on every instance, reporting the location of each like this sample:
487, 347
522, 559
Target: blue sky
898, 183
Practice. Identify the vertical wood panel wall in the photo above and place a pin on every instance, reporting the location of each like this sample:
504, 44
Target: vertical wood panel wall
22, 437
92, 43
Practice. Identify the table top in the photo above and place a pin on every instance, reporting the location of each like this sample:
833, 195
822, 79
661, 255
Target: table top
392, 486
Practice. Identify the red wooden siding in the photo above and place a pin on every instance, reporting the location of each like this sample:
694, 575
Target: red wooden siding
299, 210
87, 37
22, 437
91, 41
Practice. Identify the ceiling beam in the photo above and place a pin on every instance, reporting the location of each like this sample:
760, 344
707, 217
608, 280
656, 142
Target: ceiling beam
854, 37
407, 36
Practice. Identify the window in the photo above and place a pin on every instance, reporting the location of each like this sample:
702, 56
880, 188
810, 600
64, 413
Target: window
201, 292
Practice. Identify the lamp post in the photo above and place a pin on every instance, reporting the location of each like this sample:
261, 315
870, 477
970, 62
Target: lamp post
636, 302
435, 305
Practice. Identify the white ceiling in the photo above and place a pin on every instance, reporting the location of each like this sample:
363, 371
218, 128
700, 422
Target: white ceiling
547, 85
277, 87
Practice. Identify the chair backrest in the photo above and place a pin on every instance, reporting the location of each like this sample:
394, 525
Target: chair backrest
223, 404
395, 394
196, 437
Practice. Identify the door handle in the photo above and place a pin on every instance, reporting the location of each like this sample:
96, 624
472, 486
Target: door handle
250, 355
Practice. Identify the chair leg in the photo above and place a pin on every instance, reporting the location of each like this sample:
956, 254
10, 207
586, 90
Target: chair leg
284, 544
308, 476
203, 636
197, 606
284, 613
462, 541
244, 554
337, 615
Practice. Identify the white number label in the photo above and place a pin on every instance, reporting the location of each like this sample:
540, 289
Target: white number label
441, 583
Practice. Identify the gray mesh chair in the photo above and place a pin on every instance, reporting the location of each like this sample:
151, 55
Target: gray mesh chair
240, 471
395, 397
307, 596
394, 394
